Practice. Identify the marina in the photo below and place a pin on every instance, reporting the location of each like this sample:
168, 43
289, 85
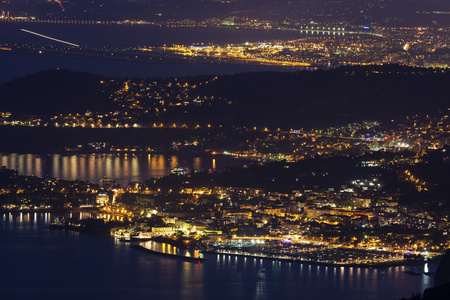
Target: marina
117, 271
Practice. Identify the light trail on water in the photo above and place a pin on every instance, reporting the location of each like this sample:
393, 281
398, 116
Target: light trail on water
50, 38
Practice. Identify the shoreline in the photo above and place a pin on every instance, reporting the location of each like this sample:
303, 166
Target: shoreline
51, 210
382, 265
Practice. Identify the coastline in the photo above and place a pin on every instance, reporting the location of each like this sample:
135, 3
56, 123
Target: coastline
135, 270
381, 265
51, 210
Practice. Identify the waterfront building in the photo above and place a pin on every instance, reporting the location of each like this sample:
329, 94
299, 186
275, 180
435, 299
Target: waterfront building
102, 199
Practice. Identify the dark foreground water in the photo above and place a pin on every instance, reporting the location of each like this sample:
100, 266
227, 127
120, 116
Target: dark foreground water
38, 263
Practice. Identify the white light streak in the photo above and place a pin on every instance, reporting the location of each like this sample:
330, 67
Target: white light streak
50, 38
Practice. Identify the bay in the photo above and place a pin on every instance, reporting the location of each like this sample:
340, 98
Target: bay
138, 35
39, 263
18, 65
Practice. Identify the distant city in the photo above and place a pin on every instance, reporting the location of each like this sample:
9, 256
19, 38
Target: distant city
323, 45
338, 157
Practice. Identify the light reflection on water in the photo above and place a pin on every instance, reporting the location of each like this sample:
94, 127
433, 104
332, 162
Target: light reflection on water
122, 168
170, 249
72, 265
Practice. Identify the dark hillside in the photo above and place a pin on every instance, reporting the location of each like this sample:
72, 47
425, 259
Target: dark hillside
266, 99
53, 92
341, 96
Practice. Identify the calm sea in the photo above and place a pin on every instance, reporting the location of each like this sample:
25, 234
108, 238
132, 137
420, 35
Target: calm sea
122, 168
18, 65
39, 263
138, 35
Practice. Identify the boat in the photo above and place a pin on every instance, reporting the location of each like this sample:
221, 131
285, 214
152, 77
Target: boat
59, 221
180, 171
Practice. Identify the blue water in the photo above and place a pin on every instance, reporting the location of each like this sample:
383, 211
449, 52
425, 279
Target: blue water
140, 35
38, 263
18, 65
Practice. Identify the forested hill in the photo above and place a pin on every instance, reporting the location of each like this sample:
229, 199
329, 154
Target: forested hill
322, 98
274, 99
53, 92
